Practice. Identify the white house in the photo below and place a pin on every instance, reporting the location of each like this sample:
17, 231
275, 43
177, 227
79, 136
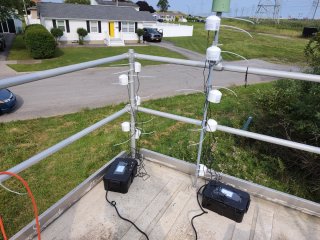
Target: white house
170, 16
111, 25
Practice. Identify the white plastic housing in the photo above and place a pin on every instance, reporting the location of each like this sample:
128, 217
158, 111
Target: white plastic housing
213, 23
214, 96
138, 100
123, 79
202, 170
211, 125
137, 67
137, 134
213, 54
125, 126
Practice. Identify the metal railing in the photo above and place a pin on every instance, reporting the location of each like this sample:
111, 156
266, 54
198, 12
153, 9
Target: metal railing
133, 108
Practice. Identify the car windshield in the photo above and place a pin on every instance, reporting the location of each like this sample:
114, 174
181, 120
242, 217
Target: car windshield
152, 30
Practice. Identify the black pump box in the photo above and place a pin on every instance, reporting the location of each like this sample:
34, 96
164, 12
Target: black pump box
225, 200
120, 175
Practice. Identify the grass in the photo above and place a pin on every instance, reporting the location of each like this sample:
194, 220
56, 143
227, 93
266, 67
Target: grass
279, 50
68, 56
52, 178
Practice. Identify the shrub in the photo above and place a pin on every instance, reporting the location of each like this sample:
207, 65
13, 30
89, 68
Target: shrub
39, 42
140, 33
82, 33
291, 110
57, 33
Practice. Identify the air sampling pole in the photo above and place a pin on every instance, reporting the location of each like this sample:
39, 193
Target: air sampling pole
213, 56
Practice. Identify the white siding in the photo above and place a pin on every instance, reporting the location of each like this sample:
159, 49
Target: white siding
74, 25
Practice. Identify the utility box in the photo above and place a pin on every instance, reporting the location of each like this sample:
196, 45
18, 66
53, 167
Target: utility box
120, 175
309, 31
221, 6
225, 200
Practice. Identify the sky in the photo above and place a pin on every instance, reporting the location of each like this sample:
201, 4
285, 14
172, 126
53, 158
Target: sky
293, 8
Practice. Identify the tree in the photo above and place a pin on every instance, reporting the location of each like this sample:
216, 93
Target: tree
85, 2
163, 5
57, 33
82, 33
7, 8
144, 6
140, 33
13, 8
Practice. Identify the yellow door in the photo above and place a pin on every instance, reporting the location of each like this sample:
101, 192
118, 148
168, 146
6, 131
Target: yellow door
111, 29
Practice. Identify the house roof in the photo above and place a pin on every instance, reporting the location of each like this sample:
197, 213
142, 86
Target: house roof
112, 3
170, 13
92, 12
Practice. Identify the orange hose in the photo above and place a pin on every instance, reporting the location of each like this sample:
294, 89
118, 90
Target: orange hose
2, 229
35, 209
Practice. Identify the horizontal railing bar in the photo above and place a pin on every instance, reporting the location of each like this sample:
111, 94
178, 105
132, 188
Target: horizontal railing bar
234, 68
272, 73
171, 60
238, 132
55, 148
170, 116
31, 77
269, 139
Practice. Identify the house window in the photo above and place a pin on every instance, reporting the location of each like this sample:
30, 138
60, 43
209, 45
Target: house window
61, 25
128, 27
94, 26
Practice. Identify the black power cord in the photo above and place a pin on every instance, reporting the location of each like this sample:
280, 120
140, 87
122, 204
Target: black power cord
203, 211
113, 203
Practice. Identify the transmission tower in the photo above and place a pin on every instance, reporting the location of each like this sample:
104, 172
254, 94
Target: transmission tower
315, 6
268, 9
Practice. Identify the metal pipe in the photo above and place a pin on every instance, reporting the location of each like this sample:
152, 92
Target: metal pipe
18, 80
133, 107
170, 116
205, 114
269, 139
238, 132
172, 60
55, 148
234, 68
272, 73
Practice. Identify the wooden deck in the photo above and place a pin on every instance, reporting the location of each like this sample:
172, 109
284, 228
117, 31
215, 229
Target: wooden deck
163, 206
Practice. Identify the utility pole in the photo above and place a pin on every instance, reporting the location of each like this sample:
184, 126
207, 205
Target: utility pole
25, 10
315, 5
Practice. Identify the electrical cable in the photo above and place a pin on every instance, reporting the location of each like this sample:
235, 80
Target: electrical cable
9, 190
203, 211
113, 203
3, 232
35, 209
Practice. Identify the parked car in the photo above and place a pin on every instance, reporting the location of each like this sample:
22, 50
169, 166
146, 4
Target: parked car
7, 101
2, 42
152, 34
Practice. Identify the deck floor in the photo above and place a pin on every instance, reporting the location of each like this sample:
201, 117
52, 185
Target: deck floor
163, 206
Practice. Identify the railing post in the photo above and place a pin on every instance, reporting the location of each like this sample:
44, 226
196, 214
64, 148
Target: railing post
204, 121
133, 108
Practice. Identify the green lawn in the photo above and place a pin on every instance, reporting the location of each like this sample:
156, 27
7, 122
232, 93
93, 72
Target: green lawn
68, 56
54, 177
287, 51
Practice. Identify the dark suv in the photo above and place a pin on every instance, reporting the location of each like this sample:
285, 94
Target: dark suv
152, 34
2, 42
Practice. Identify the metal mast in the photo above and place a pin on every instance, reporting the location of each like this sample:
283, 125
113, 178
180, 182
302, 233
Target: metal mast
268, 9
